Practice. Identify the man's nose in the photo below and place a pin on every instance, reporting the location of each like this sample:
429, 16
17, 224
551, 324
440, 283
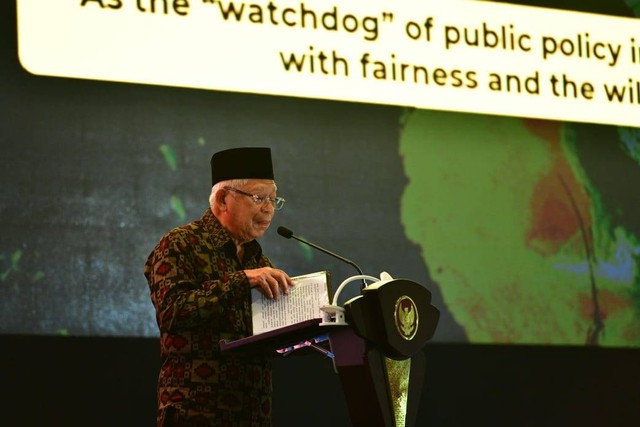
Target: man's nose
268, 207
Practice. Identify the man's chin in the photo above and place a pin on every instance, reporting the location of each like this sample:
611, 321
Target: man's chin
259, 231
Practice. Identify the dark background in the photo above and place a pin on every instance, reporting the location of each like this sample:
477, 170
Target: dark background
90, 381
86, 194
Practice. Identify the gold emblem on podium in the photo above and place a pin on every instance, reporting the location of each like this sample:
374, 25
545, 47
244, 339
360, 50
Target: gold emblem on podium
406, 317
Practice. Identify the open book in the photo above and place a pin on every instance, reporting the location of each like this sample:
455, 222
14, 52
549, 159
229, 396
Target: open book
303, 302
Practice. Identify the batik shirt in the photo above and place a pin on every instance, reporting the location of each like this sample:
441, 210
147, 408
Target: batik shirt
201, 295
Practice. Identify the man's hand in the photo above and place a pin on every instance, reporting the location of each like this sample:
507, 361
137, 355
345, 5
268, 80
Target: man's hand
271, 281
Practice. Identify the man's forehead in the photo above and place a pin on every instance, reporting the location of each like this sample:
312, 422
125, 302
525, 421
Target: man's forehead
260, 184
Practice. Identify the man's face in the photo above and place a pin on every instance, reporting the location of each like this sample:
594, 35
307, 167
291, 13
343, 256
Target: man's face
246, 220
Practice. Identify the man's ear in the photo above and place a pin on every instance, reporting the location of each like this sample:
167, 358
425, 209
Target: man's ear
220, 197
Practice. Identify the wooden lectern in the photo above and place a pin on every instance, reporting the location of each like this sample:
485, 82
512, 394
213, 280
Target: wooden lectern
376, 341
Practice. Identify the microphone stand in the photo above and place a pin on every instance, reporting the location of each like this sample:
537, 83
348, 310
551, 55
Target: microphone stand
286, 233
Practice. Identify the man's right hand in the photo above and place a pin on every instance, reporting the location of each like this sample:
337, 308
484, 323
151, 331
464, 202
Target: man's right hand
271, 281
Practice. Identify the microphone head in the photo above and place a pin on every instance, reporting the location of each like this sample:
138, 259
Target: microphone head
285, 232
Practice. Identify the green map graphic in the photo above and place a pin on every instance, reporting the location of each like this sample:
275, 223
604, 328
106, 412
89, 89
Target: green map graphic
514, 232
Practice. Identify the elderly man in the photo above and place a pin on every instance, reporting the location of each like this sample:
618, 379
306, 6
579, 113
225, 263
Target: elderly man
200, 276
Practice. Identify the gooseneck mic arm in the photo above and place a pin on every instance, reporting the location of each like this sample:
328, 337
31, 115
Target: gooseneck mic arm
288, 234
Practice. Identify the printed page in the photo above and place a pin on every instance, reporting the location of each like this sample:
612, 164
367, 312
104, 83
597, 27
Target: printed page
302, 303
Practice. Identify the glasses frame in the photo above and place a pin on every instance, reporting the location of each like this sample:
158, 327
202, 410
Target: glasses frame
277, 202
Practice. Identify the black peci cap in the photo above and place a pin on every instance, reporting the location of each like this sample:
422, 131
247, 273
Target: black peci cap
241, 163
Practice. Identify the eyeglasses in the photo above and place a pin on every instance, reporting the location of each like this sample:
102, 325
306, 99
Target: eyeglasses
277, 202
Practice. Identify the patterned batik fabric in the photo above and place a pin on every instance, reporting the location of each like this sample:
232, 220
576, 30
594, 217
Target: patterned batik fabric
201, 295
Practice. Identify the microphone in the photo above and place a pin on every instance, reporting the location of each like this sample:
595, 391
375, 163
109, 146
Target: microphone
288, 234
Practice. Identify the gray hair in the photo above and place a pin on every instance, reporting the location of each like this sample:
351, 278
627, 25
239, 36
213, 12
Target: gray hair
220, 185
